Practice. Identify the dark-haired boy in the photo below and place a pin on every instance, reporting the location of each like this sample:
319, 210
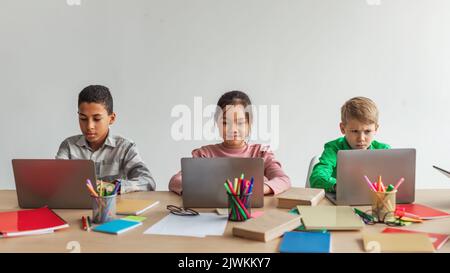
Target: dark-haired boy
116, 158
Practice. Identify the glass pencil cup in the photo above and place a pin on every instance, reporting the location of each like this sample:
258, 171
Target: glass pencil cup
103, 208
239, 207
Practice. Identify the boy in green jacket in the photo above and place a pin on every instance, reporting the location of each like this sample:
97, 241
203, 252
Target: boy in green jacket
359, 125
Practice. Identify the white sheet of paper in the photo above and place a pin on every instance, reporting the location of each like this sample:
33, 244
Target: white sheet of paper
194, 226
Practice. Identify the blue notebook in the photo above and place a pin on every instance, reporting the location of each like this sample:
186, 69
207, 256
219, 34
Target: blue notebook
306, 242
117, 226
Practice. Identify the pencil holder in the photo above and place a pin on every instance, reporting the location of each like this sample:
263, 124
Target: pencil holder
239, 207
103, 208
383, 205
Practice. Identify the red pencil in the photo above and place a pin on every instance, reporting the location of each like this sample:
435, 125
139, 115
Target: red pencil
83, 221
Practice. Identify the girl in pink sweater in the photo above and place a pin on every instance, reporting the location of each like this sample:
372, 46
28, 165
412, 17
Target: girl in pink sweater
234, 119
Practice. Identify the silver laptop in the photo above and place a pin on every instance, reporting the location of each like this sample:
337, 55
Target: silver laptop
58, 184
203, 180
391, 164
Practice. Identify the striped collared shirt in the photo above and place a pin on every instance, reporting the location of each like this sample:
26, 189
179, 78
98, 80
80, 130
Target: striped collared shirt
118, 158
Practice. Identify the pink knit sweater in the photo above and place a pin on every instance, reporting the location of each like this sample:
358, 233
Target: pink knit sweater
274, 176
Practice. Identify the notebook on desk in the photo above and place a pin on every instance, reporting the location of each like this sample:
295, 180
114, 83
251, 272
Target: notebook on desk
118, 226
397, 242
424, 212
330, 218
134, 206
437, 239
306, 242
30, 222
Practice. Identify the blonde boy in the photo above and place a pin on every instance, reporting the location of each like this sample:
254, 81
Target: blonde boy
359, 125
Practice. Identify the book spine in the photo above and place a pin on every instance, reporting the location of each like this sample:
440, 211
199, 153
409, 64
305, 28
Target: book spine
280, 230
249, 234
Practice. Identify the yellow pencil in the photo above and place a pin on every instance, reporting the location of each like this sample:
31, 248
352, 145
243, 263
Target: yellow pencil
91, 190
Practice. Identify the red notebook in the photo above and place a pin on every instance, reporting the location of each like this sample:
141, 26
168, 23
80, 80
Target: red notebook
27, 222
422, 211
437, 239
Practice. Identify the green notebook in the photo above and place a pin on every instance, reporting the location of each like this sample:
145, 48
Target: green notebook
135, 218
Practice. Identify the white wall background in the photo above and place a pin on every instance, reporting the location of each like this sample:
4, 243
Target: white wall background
308, 56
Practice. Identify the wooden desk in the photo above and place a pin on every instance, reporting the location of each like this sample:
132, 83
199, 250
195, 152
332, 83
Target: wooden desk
136, 241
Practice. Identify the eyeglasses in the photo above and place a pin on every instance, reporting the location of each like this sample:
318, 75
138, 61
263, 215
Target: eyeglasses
371, 218
182, 211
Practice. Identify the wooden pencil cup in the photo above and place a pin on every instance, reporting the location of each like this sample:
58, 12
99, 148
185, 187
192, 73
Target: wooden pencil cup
383, 205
